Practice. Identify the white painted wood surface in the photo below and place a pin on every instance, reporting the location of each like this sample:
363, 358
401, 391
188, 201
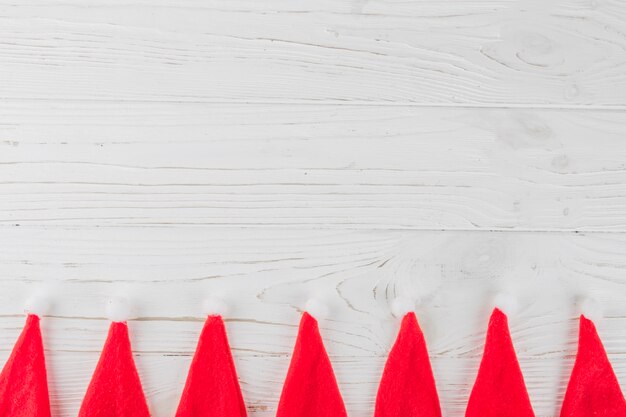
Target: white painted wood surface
274, 150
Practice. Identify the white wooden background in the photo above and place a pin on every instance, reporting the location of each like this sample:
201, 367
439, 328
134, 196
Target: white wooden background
350, 149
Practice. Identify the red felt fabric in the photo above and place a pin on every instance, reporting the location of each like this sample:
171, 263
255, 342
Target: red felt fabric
499, 390
23, 381
593, 389
115, 389
407, 387
212, 388
310, 389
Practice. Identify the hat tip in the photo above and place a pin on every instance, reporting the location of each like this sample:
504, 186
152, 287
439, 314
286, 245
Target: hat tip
506, 302
37, 305
316, 308
400, 306
214, 306
119, 309
590, 309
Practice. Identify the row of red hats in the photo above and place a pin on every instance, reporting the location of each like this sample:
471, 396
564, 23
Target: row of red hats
407, 387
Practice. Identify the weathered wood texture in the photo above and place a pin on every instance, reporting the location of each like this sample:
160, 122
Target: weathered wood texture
267, 274
272, 151
563, 52
312, 166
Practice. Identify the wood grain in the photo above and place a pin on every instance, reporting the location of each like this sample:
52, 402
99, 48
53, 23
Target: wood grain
345, 167
354, 150
268, 274
470, 53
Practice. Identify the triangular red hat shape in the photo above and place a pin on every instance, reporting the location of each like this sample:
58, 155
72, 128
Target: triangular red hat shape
212, 388
310, 389
499, 389
115, 389
593, 389
407, 388
23, 381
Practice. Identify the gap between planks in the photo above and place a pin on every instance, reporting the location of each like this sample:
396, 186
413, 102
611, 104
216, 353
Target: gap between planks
330, 103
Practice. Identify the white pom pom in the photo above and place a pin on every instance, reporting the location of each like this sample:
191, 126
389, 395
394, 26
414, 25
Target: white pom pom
119, 309
37, 305
214, 306
506, 302
401, 306
591, 309
316, 308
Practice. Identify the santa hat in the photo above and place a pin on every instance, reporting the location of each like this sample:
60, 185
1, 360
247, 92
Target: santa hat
212, 388
407, 387
23, 381
115, 389
310, 389
593, 389
499, 389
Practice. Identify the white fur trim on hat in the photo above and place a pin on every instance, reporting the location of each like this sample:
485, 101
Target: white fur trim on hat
316, 308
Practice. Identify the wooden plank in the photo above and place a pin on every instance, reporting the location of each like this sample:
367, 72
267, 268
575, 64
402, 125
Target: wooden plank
472, 53
132, 162
344, 167
267, 275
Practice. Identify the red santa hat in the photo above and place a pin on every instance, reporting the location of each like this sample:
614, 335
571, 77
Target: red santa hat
212, 388
115, 389
593, 389
23, 381
407, 387
499, 389
310, 389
